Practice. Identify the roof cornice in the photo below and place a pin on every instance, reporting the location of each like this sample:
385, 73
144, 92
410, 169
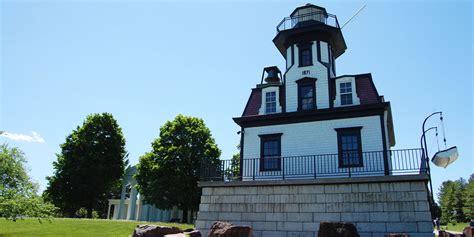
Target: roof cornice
314, 115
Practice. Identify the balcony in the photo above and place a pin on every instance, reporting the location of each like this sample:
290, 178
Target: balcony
308, 19
310, 26
373, 163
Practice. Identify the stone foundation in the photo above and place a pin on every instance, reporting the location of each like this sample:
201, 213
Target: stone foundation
376, 205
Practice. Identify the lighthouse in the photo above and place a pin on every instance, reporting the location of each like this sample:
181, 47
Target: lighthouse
316, 147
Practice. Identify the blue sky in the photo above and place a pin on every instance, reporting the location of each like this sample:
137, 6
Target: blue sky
147, 61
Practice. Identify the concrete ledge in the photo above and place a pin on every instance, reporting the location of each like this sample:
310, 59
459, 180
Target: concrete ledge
372, 179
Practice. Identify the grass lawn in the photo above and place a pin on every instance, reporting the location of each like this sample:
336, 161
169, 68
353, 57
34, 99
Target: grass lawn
73, 227
459, 227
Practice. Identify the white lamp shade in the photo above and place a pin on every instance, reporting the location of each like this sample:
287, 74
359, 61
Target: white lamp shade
445, 157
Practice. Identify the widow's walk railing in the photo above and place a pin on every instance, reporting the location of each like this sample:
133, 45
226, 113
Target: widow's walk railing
302, 20
371, 163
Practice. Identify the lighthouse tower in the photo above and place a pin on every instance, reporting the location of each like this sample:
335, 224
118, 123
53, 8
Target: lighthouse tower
310, 40
309, 110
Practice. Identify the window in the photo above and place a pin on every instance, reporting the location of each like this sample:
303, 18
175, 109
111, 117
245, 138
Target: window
305, 54
306, 97
292, 55
270, 152
306, 58
270, 102
346, 93
350, 147
306, 93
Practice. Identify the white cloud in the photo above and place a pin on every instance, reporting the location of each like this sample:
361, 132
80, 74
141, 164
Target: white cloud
22, 137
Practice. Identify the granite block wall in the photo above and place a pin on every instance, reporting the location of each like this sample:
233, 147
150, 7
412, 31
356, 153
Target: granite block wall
296, 210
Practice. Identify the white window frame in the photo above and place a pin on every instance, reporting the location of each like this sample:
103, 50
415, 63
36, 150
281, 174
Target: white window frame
272, 103
346, 93
263, 106
355, 98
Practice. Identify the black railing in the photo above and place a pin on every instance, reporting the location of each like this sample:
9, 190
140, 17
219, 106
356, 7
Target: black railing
308, 19
398, 162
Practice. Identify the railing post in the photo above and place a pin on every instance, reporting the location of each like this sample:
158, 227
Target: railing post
385, 161
254, 170
223, 170
283, 166
314, 166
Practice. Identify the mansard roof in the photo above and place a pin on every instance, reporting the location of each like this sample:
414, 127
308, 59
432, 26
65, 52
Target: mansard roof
365, 90
254, 103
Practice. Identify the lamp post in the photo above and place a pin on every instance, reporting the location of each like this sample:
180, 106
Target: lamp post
425, 159
423, 128
425, 154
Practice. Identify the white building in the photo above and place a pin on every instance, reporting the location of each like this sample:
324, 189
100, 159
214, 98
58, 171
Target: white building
130, 206
315, 147
310, 122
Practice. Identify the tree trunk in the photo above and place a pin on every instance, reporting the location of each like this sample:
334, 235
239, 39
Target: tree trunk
71, 213
185, 216
89, 212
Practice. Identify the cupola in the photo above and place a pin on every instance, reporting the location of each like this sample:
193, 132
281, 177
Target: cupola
310, 23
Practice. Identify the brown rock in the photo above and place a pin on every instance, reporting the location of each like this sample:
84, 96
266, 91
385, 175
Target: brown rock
468, 232
154, 231
224, 229
443, 233
337, 229
193, 233
397, 235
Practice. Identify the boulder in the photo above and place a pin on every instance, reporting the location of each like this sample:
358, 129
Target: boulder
468, 231
397, 235
443, 233
155, 231
224, 229
193, 233
337, 229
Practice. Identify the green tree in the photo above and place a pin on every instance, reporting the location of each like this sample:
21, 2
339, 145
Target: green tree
90, 166
459, 187
452, 201
168, 175
445, 199
468, 198
18, 194
232, 172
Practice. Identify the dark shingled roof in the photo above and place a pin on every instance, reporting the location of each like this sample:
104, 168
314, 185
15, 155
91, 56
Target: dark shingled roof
254, 103
365, 89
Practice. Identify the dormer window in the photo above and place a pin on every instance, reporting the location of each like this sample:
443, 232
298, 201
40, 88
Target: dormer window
346, 93
270, 102
305, 54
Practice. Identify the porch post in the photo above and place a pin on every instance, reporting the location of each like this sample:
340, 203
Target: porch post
108, 212
140, 208
120, 214
133, 204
